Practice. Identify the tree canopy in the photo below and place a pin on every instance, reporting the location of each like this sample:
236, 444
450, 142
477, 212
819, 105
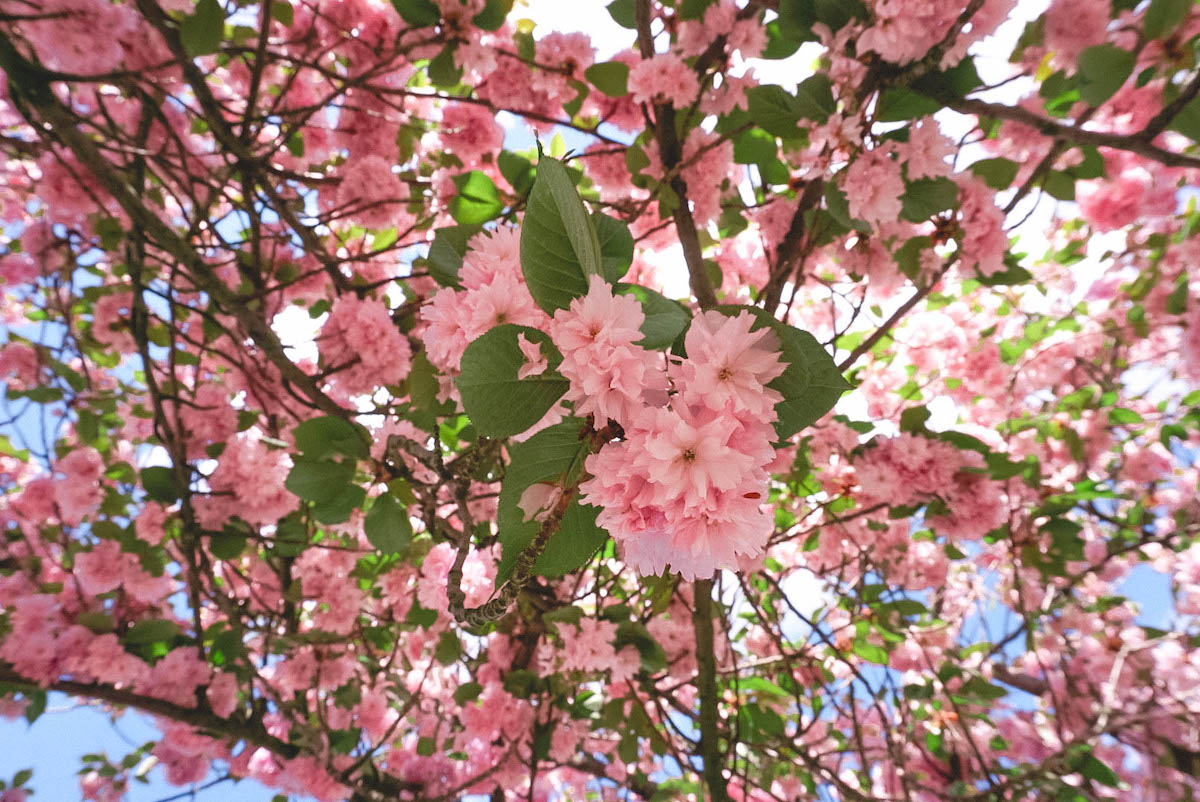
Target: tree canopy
765, 400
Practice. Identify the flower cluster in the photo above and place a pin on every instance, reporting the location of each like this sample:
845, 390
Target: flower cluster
684, 487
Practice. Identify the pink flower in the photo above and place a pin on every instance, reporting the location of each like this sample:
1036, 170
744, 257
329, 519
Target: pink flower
598, 318
79, 492
688, 456
729, 365
610, 377
363, 345
19, 366
873, 186
927, 150
663, 78
222, 694
984, 240
1073, 26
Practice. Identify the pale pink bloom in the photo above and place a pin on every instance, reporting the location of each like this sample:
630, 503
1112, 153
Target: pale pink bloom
1073, 26
80, 36
663, 78
100, 570
984, 241
927, 150
688, 455
470, 132
598, 318
728, 364
363, 345
78, 492
19, 367
873, 186
491, 253
222, 694
591, 647
247, 483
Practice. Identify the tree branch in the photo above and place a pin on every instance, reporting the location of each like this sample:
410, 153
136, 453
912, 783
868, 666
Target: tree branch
1072, 133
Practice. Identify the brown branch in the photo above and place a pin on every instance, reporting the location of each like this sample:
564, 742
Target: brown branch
1132, 143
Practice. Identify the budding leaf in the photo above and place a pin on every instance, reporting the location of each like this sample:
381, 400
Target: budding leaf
477, 200
559, 246
499, 403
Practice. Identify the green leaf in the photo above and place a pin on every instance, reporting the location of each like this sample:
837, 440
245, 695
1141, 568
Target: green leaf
1060, 185
870, 652
283, 13
665, 319
624, 13
1119, 416
610, 77
779, 112
96, 621
1095, 769
774, 109
387, 526
559, 246
338, 508
779, 44
446, 252
810, 385
498, 403
467, 692
616, 246
518, 171
551, 455
997, 173
321, 437
319, 481
914, 419
202, 30
493, 15
1104, 69
897, 104
926, 197
419, 13
152, 630
477, 200
755, 147
160, 484
1163, 16
227, 545
443, 71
